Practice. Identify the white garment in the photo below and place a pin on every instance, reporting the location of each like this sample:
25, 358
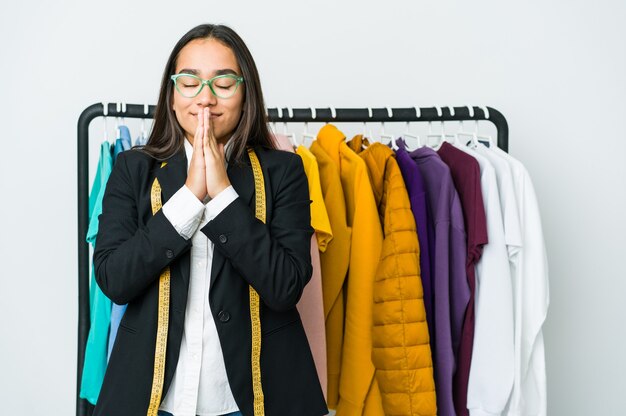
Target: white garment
200, 384
492, 369
531, 294
508, 203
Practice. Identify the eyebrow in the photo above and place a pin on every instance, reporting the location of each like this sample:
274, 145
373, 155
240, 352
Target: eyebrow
217, 72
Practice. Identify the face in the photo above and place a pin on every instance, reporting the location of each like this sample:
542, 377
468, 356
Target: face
207, 58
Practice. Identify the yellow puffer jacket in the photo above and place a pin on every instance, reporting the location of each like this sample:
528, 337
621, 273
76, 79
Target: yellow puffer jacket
401, 349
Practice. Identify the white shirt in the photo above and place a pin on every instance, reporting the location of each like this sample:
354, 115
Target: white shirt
492, 368
531, 295
200, 385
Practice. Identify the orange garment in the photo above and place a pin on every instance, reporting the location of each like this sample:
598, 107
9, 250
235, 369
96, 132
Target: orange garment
358, 390
401, 352
311, 304
334, 262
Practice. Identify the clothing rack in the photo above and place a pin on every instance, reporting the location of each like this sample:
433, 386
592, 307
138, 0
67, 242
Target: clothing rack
284, 114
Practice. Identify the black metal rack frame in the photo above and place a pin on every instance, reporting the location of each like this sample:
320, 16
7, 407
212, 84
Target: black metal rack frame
288, 115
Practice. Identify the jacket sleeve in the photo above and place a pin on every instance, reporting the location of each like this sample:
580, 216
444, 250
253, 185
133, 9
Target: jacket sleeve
274, 258
129, 257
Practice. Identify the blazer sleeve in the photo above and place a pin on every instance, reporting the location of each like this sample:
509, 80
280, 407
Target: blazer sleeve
274, 258
128, 257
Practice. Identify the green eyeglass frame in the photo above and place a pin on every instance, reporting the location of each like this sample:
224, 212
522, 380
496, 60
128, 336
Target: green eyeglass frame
224, 93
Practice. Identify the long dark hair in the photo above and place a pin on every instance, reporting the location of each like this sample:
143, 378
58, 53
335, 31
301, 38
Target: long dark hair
166, 137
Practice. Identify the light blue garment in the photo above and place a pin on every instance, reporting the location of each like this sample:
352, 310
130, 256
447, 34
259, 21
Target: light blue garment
122, 144
141, 140
117, 313
95, 352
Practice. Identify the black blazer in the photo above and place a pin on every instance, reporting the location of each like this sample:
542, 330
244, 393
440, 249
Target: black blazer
133, 246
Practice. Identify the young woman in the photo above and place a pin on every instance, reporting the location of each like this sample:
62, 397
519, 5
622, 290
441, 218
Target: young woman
205, 250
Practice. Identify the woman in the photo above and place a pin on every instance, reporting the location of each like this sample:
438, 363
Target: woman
206, 248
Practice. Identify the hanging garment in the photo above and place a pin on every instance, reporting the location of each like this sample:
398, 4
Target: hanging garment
531, 299
466, 176
359, 393
311, 304
122, 143
401, 352
95, 362
508, 203
451, 291
417, 195
491, 371
334, 262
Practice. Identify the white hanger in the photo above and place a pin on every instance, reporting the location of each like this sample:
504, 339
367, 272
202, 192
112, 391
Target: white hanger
146, 110
368, 134
441, 136
290, 136
471, 135
306, 134
273, 124
123, 112
118, 109
418, 114
333, 113
485, 138
383, 136
105, 112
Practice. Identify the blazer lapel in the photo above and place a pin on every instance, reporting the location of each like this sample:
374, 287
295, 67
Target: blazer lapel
171, 177
242, 180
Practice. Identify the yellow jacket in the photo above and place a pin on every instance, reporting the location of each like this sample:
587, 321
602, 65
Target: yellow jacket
401, 351
334, 261
358, 389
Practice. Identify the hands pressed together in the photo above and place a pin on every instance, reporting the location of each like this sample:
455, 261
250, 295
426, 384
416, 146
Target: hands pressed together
207, 170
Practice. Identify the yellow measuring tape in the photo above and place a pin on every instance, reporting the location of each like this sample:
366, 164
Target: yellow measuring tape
163, 317
259, 191
164, 301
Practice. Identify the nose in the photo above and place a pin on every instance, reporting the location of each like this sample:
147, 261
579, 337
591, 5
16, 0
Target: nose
206, 97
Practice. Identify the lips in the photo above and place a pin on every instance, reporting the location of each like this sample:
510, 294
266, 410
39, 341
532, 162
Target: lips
212, 115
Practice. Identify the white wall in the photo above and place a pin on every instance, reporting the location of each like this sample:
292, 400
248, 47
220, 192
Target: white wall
555, 69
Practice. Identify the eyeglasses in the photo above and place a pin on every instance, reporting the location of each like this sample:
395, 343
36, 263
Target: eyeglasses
222, 86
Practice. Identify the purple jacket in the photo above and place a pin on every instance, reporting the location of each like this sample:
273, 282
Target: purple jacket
451, 292
425, 233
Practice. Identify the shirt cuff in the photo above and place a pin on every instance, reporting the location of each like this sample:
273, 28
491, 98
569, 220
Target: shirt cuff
184, 211
220, 202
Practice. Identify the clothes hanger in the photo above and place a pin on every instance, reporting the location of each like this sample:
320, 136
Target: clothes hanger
333, 114
442, 134
121, 108
290, 136
368, 134
473, 142
485, 139
306, 134
407, 134
143, 123
383, 136
273, 126
105, 113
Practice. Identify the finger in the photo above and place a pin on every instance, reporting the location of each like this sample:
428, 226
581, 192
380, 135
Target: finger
197, 140
208, 132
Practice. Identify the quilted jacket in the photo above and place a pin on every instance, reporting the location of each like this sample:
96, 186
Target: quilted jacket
401, 349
